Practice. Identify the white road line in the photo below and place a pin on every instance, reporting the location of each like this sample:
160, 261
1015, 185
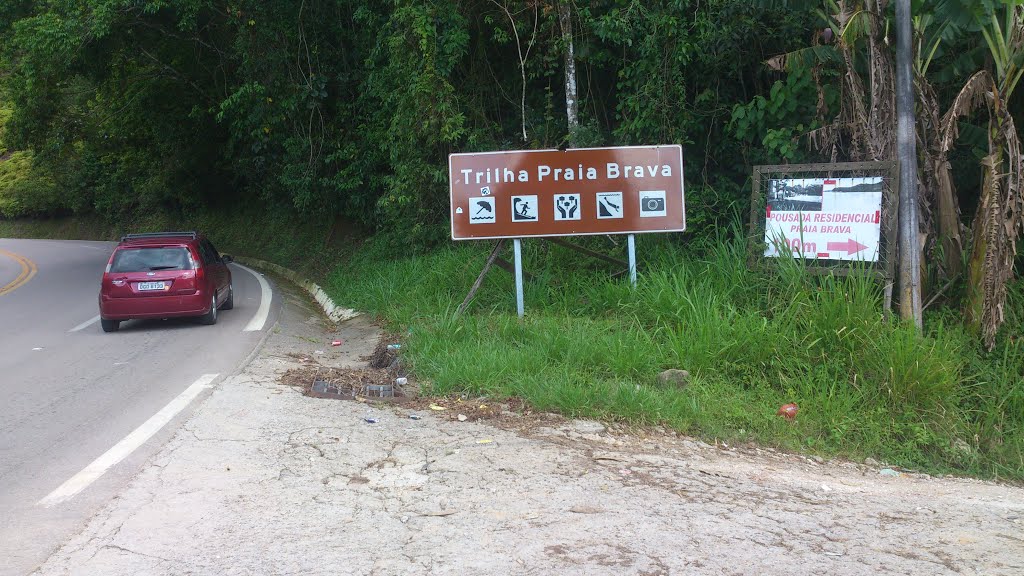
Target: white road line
85, 324
127, 445
260, 319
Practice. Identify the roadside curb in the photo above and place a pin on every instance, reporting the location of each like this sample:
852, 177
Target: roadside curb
333, 311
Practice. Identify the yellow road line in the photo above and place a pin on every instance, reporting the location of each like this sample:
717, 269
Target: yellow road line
28, 270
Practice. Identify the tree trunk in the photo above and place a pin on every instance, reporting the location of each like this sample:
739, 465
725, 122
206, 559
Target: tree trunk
571, 102
948, 221
940, 210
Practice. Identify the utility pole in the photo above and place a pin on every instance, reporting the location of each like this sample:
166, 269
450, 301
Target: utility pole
906, 136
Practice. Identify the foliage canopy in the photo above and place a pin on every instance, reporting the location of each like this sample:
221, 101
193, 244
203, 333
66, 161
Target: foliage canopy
351, 107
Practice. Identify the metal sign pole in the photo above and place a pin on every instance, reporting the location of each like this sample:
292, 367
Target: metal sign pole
631, 247
517, 248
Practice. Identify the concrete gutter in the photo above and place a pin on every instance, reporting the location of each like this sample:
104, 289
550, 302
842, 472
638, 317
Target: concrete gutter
330, 307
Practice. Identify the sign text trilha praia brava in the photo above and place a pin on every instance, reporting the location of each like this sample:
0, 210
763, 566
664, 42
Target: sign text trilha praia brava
612, 171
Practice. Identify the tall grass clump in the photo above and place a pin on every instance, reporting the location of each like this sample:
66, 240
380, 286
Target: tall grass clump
751, 339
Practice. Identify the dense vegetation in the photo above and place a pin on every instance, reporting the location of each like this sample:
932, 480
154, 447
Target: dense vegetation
351, 107
317, 116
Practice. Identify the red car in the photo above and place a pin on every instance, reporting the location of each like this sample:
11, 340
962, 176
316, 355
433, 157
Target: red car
164, 275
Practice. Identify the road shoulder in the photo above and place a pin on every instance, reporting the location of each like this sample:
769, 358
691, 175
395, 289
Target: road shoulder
265, 480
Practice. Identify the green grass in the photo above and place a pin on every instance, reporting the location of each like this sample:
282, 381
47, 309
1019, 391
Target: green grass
592, 346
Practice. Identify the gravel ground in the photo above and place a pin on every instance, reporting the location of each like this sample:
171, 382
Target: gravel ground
266, 480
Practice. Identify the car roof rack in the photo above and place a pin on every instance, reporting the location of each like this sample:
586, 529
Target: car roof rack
192, 235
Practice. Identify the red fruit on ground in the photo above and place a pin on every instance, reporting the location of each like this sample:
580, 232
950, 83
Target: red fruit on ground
788, 411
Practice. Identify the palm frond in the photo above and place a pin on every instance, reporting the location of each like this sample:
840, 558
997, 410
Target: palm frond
852, 29
1015, 50
974, 93
965, 64
1012, 80
825, 137
804, 58
973, 135
928, 51
996, 45
961, 17
998, 223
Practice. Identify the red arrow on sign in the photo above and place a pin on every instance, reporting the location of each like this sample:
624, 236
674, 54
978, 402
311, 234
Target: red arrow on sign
850, 246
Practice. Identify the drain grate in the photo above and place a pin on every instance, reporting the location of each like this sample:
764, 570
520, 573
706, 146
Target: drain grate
349, 384
379, 390
325, 389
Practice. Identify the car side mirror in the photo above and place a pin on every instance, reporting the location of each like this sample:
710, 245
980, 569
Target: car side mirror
227, 259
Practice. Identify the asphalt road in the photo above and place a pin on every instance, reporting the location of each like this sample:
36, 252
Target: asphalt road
82, 410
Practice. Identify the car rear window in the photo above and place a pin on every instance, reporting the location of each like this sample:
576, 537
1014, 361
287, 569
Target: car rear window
148, 259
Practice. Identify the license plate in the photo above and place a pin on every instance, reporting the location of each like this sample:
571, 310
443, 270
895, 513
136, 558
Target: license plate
143, 286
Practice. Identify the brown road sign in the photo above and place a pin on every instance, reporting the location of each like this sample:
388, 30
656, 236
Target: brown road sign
622, 190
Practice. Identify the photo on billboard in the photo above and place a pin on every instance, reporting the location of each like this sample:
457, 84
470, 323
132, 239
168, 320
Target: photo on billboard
853, 194
796, 194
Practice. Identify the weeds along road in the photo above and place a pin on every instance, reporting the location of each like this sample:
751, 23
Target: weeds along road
81, 410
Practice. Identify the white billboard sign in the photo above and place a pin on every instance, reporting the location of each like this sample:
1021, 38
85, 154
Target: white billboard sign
824, 218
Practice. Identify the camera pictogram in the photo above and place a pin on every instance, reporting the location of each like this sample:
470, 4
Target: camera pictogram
652, 203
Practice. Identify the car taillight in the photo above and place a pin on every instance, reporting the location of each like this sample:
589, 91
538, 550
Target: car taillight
118, 282
197, 265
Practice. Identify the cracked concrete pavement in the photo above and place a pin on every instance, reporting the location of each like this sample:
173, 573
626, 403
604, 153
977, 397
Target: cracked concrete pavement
264, 480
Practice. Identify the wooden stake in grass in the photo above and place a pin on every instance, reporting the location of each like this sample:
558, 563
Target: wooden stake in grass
480, 278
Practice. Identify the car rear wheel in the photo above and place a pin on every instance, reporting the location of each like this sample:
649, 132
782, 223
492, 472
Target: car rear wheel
230, 302
110, 325
211, 316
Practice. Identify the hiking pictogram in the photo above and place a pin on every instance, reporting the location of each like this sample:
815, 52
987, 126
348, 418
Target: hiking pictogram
524, 208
